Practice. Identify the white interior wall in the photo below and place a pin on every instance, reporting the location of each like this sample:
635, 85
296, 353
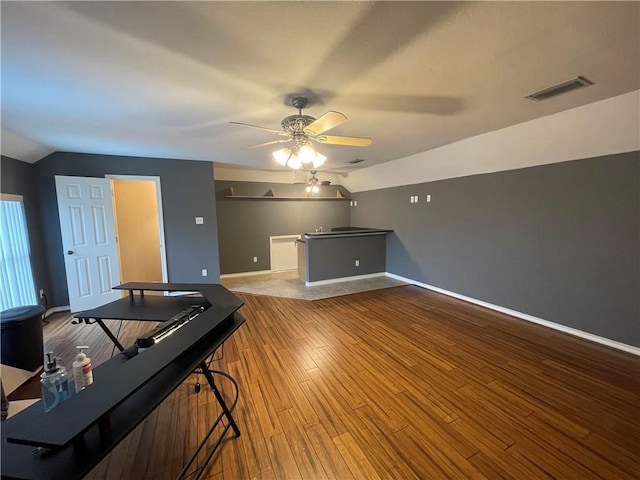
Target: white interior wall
601, 128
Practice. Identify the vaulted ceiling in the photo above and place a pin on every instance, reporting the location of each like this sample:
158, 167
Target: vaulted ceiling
164, 79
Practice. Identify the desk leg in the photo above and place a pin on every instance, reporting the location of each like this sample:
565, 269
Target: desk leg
223, 405
109, 334
79, 445
197, 474
104, 426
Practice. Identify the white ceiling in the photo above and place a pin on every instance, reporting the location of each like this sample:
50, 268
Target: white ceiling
164, 79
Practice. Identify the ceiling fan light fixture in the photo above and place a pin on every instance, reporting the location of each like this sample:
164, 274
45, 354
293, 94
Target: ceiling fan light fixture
319, 160
294, 162
313, 183
282, 156
306, 154
295, 157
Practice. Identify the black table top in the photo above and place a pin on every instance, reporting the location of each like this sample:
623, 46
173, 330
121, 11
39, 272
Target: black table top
157, 308
149, 308
215, 293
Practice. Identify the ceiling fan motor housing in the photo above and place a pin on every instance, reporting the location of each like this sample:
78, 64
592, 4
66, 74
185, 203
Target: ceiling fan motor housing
296, 123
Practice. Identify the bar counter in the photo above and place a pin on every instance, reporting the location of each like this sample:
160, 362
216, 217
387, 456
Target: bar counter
342, 253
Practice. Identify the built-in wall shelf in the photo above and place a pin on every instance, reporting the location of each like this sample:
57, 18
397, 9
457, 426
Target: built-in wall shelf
270, 195
256, 197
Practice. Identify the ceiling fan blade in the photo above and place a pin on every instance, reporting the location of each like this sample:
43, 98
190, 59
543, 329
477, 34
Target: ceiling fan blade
349, 141
326, 122
271, 130
269, 143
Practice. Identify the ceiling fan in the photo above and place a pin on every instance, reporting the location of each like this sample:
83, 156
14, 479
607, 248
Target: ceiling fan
301, 130
313, 183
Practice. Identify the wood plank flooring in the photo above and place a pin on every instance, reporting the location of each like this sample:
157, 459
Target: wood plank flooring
391, 384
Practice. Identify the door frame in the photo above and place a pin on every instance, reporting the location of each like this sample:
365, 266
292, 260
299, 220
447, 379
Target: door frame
156, 179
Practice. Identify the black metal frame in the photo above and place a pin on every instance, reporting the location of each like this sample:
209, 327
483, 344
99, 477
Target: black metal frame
225, 413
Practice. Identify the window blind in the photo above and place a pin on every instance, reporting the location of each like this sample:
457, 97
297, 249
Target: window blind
16, 277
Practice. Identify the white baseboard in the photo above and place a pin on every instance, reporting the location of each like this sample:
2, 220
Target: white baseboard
344, 279
524, 316
52, 310
245, 274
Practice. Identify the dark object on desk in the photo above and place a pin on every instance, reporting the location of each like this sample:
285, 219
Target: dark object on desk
85, 428
167, 328
21, 334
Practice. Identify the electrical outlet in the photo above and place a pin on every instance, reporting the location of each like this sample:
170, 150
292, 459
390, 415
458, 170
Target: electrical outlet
255, 259
428, 198
41, 293
199, 220
204, 272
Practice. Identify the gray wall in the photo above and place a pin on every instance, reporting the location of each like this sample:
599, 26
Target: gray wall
560, 242
17, 178
334, 257
245, 225
187, 192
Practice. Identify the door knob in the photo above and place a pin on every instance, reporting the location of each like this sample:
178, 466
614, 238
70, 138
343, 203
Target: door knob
70, 252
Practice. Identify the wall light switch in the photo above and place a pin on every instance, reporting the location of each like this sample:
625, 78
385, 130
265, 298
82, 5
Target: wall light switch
255, 259
355, 203
428, 198
357, 263
199, 220
351, 203
204, 272
416, 197
411, 200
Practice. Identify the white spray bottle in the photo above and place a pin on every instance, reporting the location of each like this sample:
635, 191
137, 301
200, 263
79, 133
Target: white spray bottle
82, 370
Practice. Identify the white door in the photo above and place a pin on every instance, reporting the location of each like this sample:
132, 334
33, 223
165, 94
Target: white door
88, 241
284, 253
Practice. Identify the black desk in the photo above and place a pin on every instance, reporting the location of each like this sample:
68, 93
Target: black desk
155, 308
81, 431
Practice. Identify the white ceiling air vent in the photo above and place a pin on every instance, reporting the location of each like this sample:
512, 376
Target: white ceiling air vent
564, 87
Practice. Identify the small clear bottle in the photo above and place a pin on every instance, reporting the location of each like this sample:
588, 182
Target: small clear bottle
54, 383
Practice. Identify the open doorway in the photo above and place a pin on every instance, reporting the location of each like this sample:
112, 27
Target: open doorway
139, 228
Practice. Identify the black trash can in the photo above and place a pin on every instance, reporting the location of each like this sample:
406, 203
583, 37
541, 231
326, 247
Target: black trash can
21, 335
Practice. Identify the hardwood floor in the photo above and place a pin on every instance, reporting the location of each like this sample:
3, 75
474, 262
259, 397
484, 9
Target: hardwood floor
395, 383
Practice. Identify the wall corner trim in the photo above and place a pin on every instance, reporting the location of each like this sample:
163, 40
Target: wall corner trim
523, 316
